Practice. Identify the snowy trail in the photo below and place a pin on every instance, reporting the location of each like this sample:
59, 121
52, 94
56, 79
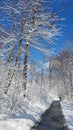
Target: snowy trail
23, 118
52, 119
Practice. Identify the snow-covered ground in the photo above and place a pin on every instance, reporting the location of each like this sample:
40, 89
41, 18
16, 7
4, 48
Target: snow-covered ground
23, 118
67, 107
27, 112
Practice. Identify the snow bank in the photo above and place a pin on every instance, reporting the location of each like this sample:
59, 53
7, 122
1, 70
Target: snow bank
24, 118
67, 108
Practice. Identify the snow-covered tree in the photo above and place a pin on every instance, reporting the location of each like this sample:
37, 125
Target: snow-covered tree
25, 25
62, 73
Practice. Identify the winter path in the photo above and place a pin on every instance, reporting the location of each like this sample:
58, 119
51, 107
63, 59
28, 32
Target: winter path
52, 119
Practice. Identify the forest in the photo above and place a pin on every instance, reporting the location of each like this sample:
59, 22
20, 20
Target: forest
30, 70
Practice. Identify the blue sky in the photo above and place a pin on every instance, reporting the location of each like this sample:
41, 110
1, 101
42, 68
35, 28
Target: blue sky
67, 28
68, 14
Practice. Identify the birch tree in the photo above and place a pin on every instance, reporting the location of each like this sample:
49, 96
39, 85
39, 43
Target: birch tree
27, 22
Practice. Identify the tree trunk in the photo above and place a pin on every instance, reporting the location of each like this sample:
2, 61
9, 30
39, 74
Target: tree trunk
63, 72
11, 74
71, 84
25, 66
17, 60
50, 77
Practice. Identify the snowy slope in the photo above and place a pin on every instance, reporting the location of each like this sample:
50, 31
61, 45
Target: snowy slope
24, 118
67, 108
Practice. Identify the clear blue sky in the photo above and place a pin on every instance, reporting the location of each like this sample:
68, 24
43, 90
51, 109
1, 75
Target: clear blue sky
68, 14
